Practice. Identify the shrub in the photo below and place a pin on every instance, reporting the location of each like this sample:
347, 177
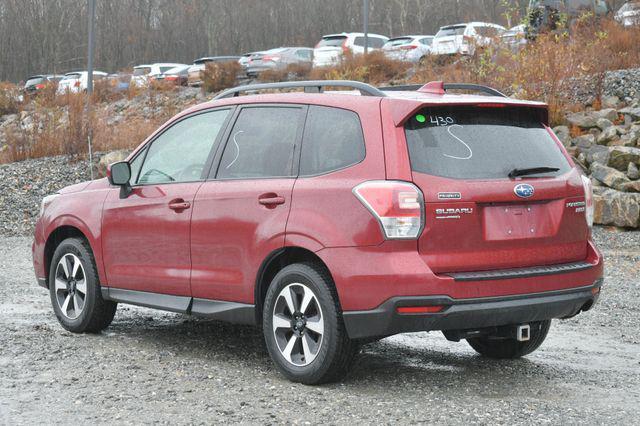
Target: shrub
373, 68
9, 98
292, 72
218, 76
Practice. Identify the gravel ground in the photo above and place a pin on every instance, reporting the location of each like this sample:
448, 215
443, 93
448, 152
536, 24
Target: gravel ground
155, 367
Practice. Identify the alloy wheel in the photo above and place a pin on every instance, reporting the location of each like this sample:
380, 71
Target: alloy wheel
298, 324
70, 286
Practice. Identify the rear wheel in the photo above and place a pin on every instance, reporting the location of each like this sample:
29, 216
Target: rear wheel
501, 348
303, 327
74, 288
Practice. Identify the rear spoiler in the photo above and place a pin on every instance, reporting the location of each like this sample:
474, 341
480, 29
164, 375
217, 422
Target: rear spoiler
402, 109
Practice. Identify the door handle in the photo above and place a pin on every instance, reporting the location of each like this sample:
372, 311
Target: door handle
179, 204
271, 201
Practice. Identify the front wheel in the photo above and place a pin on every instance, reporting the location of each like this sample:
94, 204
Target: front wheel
74, 288
501, 348
303, 327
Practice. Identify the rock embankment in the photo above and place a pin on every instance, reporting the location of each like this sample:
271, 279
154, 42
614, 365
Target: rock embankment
606, 143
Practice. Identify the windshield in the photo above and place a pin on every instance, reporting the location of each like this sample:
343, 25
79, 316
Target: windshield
335, 41
451, 31
141, 71
468, 142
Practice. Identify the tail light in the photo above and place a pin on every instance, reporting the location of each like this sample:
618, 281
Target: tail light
398, 207
409, 47
273, 58
588, 199
171, 78
345, 48
77, 83
40, 86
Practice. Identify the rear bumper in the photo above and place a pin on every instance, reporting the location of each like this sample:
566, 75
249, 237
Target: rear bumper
464, 314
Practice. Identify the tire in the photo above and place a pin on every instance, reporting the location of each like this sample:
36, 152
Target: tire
89, 313
328, 356
501, 348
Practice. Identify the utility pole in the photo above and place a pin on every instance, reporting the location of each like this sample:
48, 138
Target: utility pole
91, 13
365, 14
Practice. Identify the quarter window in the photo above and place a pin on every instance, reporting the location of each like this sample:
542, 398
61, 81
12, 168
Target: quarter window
180, 153
332, 140
261, 143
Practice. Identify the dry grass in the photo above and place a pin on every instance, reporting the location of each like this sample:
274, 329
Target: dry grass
374, 68
218, 76
9, 103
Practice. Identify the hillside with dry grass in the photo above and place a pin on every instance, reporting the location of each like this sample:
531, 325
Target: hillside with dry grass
556, 68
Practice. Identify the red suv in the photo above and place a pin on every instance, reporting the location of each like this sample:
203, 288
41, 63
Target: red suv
331, 219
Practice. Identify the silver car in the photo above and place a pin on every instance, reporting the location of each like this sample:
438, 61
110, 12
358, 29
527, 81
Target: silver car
413, 48
278, 59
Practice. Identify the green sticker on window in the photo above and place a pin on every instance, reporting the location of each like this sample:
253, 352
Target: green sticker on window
421, 118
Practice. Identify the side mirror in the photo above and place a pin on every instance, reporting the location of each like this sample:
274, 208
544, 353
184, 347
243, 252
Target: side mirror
119, 174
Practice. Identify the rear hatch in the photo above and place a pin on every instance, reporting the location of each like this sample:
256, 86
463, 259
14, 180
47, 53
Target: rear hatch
477, 217
329, 50
449, 40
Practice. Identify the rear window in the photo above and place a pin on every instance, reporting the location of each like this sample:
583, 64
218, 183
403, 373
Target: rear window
141, 71
480, 143
451, 31
332, 41
33, 81
398, 42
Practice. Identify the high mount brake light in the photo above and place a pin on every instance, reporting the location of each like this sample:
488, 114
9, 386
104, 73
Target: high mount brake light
398, 207
588, 199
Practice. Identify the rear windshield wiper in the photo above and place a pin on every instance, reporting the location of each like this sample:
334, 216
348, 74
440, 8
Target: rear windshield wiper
531, 171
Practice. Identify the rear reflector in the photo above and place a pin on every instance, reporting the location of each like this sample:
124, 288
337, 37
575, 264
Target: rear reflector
398, 207
588, 199
419, 309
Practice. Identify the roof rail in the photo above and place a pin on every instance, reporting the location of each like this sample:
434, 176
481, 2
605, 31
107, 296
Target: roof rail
439, 88
315, 86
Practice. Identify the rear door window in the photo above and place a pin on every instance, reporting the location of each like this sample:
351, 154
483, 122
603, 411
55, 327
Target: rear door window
332, 140
261, 143
480, 142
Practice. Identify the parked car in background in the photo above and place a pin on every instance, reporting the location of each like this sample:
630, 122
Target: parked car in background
118, 81
546, 15
178, 75
331, 48
77, 81
278, 59
142, 74
414, 48
195, 71
629, 14
39, 82
244, 59
515, 37
464, 39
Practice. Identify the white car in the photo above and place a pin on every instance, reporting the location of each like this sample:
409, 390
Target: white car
331, 48
515, 37
142, 74
463, 39
414, 48
629, 14
77, 81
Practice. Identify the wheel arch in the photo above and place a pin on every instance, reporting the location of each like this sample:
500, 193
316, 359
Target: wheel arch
54, 239
273, 263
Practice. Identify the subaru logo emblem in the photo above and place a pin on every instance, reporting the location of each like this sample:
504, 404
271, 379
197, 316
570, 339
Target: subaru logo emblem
523, 190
